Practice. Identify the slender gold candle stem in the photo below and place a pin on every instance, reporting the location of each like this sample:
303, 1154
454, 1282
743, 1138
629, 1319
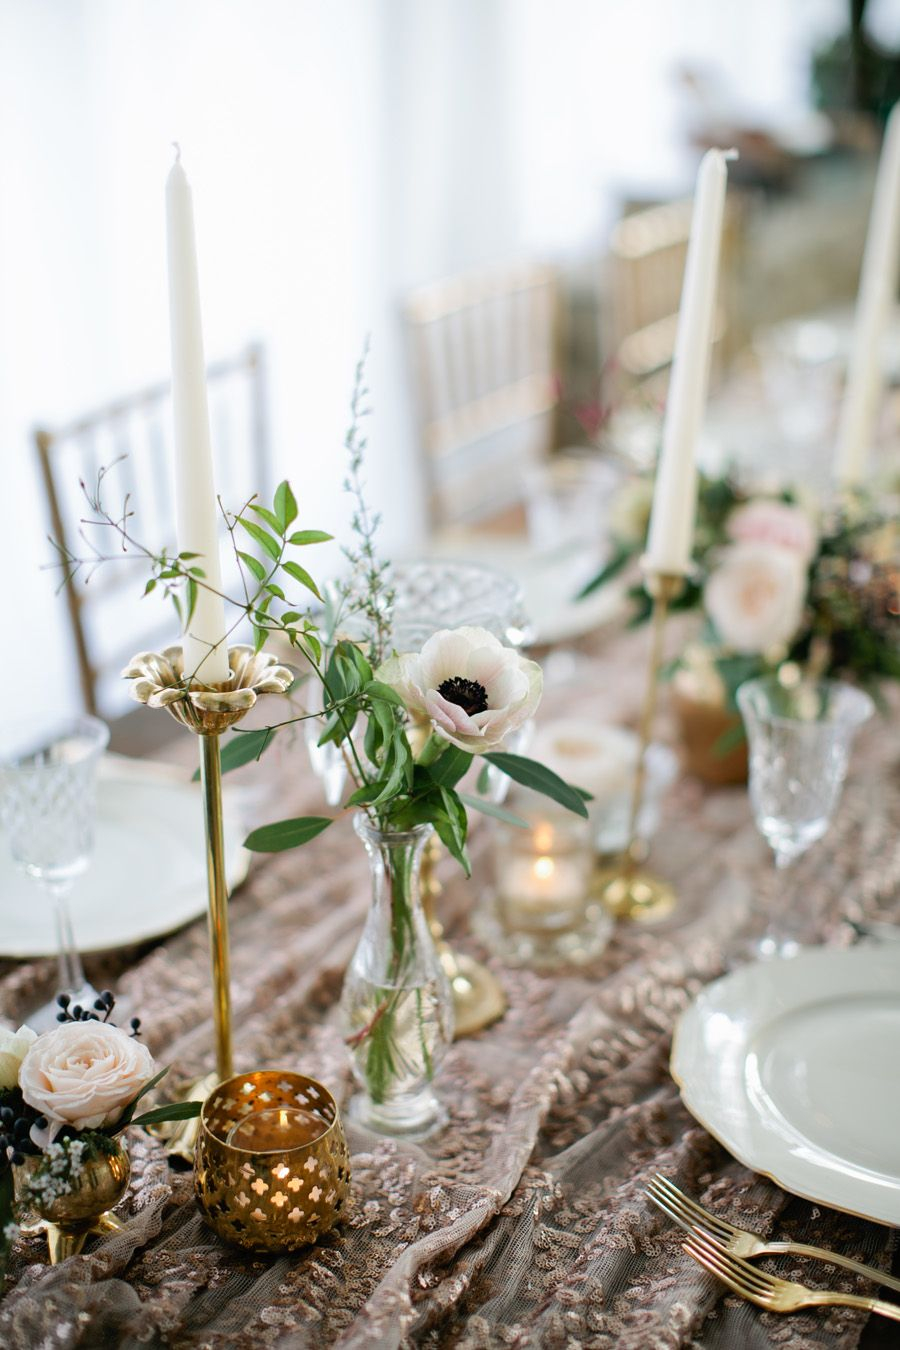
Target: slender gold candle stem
211, 779
645, 727
626, 890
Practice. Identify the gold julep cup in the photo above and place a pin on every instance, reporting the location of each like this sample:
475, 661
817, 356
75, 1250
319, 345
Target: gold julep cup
69, 1218
255, 1190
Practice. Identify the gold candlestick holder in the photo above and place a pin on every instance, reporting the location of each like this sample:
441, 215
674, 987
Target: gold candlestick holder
207, 710
626, 889
478, 997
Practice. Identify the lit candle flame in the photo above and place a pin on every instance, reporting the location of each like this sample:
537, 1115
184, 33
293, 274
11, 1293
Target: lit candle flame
543, 838
544, 868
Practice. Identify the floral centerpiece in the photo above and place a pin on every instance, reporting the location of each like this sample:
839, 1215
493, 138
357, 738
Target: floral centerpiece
777, 580
408, 725
66, 1097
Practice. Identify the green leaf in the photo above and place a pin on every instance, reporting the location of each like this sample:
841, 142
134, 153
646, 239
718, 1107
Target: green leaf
314, 646
483, 782
254, 565
300, 574
173, 1111
383, 692
285, 505
274, 590
283, 834
301, 537
623, 554
268, 516
151, 586
539, 778
489, 808
448, 768
186, 556
191, 600
729, 740
126, 1116
367, 793
452, 826
262, 537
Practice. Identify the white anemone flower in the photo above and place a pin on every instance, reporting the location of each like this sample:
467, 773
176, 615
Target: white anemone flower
473, 690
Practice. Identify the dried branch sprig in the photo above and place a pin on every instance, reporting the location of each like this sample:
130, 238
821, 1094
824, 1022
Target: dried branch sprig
368, 591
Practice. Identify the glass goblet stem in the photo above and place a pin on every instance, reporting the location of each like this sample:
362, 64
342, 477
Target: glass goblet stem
72, 978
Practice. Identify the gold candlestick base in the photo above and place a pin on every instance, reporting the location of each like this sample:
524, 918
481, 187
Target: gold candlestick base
637, 895
478, 997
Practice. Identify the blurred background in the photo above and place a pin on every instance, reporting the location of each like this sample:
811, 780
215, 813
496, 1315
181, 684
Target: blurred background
495, 191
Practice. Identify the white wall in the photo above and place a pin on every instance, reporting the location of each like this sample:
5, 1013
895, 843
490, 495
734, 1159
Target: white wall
340, 151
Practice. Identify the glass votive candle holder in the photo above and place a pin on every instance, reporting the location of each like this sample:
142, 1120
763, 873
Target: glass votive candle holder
541, 911
272, 1168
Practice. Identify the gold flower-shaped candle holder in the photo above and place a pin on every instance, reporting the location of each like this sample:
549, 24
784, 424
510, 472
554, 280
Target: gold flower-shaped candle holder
158, 680
272, 1168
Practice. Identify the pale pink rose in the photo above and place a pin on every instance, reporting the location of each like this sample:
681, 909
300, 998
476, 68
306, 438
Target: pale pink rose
473, 690
84, 1074
765, 521
756, 597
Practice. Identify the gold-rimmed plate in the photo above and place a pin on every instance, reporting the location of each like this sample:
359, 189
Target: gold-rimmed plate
792, 1065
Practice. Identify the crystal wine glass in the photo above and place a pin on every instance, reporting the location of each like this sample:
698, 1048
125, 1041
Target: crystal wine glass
799, 738
47, 792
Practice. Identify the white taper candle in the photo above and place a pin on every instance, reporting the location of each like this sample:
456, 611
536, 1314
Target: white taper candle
670, 536
877, 295
205, 655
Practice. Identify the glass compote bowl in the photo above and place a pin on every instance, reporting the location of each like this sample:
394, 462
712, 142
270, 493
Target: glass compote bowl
47, 792
800, 738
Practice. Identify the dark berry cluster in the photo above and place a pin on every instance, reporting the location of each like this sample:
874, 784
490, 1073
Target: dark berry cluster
99, 1012
15, 1134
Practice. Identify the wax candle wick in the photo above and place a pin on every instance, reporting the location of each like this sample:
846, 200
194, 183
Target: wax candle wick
177, 148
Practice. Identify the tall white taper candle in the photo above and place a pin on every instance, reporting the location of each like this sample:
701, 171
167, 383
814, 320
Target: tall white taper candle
670, 537
877, 295
205, 656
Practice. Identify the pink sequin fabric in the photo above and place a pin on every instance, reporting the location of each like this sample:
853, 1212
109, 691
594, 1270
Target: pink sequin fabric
524, 1222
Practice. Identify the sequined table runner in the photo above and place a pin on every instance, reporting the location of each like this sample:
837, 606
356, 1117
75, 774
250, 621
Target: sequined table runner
523, 1223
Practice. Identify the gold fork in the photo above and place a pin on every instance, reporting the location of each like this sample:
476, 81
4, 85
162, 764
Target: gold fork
770, 1292
693, 1218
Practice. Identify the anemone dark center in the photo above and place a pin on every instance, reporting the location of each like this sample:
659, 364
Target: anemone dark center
466, 694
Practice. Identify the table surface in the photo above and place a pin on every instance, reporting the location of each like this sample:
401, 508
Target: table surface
523, 1222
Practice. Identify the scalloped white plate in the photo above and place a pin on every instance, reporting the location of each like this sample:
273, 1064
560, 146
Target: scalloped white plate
793, 1066
148, 873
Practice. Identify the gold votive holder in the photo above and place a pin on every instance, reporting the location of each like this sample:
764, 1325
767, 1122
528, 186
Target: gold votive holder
542, 912
272, 1167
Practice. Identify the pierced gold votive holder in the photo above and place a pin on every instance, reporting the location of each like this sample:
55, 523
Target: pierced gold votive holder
261, 1195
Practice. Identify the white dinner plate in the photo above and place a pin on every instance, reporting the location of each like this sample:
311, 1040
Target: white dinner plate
148, 872
793, 1066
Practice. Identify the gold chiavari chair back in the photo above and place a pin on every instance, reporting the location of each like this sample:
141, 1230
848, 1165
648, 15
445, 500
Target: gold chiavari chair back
648, 250
129, 440
484, 354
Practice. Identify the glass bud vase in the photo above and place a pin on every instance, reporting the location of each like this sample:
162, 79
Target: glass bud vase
396, 1003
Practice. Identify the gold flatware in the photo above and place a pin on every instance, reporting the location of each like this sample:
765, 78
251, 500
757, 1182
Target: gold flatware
772, 1293
694, 1219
